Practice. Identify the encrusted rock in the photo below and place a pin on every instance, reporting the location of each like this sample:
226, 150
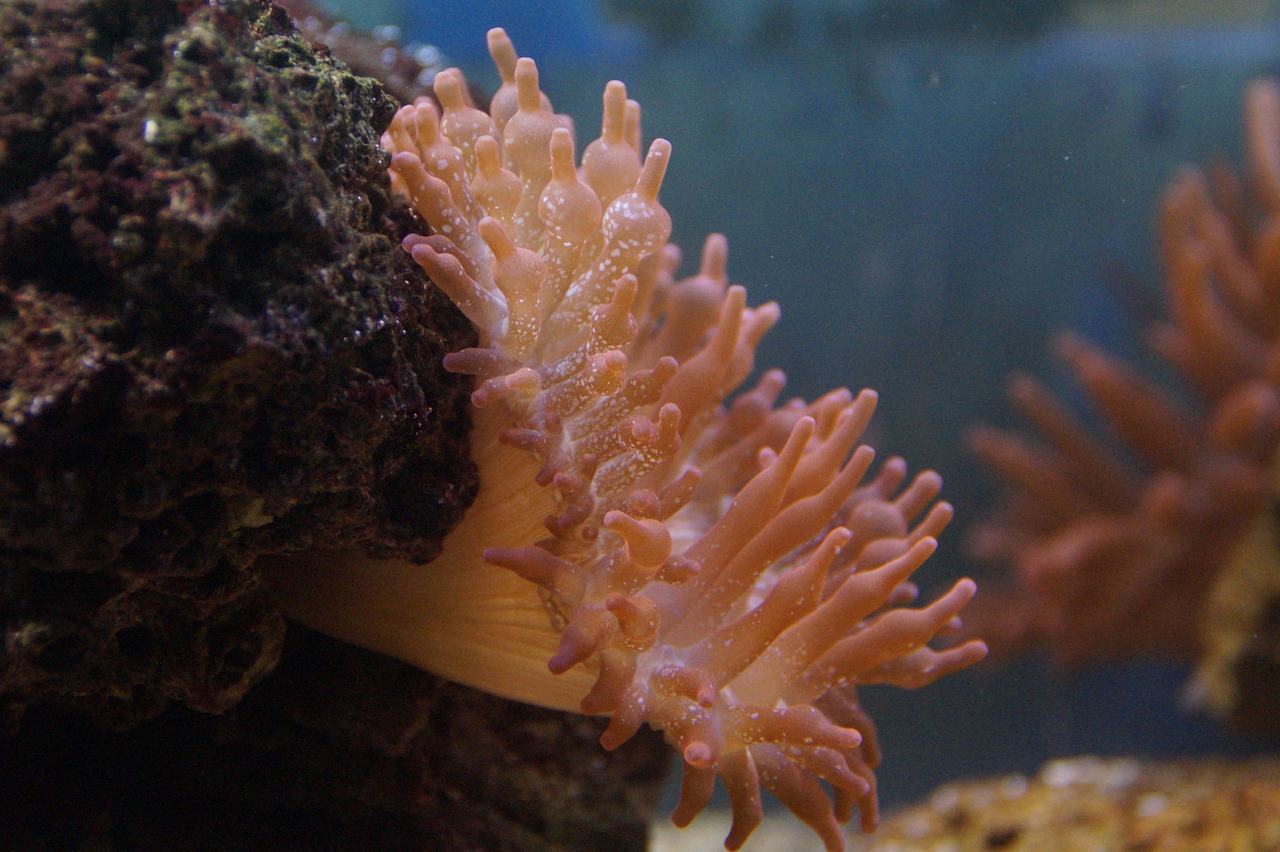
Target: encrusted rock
212, 347
1088, 803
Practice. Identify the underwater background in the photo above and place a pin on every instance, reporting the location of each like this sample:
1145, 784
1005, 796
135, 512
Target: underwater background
929, 189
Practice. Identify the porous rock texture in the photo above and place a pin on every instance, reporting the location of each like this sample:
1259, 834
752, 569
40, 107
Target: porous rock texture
212, 347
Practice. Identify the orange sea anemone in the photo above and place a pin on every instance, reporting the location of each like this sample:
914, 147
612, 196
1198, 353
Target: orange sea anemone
1176, 554
640, 548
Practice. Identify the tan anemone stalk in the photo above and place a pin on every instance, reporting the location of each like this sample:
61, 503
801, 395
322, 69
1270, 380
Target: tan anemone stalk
638, 549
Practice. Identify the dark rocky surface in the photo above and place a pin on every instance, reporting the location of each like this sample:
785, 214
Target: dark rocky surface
213, 348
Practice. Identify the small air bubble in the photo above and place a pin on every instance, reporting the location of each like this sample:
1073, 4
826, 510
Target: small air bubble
427, 55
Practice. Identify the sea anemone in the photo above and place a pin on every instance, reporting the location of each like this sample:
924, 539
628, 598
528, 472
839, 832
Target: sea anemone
1160, 539
640, 546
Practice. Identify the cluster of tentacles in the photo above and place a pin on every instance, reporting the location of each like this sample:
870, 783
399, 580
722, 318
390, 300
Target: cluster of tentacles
717, 571
1152, 542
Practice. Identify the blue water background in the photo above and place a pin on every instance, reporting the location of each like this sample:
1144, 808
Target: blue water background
927, 209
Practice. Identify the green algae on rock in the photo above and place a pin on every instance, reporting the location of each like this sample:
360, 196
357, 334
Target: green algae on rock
212, 348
